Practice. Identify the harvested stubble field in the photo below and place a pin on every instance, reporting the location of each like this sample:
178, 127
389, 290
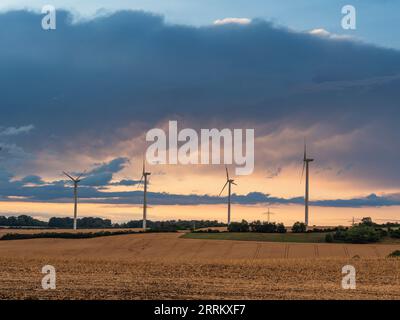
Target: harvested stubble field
164, 266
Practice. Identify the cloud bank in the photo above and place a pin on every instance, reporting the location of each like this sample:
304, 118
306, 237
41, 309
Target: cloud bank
91, 90
94, 188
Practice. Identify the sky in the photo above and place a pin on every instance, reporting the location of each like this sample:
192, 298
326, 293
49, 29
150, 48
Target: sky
83, 96
376, 20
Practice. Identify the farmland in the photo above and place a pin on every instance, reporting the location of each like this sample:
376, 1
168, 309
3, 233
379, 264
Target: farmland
313, 237
165, 266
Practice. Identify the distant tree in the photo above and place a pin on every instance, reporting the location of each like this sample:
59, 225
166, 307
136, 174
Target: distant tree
358, 234
395, 233
266, 227
3, 221
94, 223
299, 227
281, 228
238, 226
173, 224
255, 226
328, 238
62, 223
367, 221
12, 222
21, 221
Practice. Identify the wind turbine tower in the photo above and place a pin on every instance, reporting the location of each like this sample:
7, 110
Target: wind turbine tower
306, 162
75, 181
145, 180
228, 182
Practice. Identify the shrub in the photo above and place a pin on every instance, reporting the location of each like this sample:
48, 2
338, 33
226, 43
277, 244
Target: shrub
394, 254
281, 228
264, 227
206, 231
299, 227
238, 226
176, 224
395, 233
325, 230
367, 221
329, 238
358, 234
383, 233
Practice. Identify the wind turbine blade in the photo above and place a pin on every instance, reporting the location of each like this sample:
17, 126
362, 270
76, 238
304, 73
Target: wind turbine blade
305, 150
234, 183
227, 174
140, 181
81, 175
68, 176
223, 189
144, 167
302, 172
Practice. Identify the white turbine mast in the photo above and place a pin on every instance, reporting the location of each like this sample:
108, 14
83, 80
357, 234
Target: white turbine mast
145, 181
306, 162
75, 181
228, 182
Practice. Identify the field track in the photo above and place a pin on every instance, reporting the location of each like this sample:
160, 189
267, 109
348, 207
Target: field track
171, 246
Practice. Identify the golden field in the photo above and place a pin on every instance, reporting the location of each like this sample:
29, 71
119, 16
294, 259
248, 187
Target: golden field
165, 266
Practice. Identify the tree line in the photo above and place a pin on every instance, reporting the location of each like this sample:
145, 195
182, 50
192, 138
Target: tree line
257, 226
99, 223
366, 231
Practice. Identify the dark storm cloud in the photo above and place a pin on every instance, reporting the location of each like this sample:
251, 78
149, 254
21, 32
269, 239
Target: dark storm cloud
89, 78
12, 131
54, 192
33, 188
32, 179
103, 173
126, 182
131, 66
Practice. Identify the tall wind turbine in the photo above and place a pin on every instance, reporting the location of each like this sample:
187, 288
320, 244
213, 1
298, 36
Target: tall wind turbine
144, 179
75, 181
306, 162
228, 182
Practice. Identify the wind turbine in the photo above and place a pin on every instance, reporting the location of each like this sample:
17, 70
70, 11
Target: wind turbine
75, 181
268, 213
306, 162
145, 181
228, 182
